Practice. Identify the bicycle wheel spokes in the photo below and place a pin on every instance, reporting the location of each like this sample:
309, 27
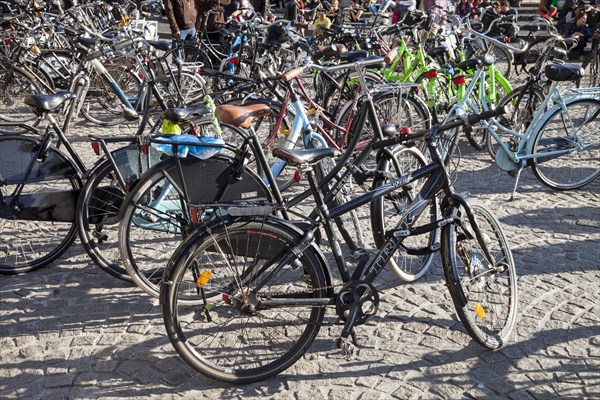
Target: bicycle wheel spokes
228, 334
484, 290
568, 147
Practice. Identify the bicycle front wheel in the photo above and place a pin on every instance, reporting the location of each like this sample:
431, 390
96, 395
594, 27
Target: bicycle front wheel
231, 270
484, 290
567, 146
388, 213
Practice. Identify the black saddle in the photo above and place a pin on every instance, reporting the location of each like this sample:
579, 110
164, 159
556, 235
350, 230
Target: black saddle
468, 64
177, 115
86, 41
305, 156
48, 102
437, 51
351, 56
163, 45
563, 72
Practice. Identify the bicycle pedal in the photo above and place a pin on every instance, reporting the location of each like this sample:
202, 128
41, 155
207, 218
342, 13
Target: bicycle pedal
348, 349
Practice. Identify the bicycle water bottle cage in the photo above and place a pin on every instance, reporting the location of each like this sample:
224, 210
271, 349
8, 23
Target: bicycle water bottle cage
47, 102
564, 72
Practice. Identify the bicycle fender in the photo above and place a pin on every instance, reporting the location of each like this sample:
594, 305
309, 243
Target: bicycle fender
207, 227
16, 156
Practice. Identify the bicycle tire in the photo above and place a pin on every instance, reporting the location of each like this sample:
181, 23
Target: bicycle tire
31, 244
155, 216
15, 86
98, 218
581, 165
387, 212
478, 138
485, 296
503, 61
284, 334
521, 105
591, 67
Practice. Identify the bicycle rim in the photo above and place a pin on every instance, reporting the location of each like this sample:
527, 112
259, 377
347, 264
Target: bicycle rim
230, 338
484, 293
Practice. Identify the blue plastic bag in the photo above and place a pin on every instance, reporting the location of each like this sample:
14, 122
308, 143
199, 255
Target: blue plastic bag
206, 148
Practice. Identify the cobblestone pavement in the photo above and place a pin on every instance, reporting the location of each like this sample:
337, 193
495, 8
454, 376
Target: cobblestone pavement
72, 331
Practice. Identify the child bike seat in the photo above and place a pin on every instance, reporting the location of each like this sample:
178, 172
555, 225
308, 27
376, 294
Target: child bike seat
241, 116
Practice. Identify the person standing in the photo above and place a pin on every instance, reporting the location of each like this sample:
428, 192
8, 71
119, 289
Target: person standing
182, 15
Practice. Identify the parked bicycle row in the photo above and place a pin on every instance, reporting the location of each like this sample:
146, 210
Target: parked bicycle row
195, 207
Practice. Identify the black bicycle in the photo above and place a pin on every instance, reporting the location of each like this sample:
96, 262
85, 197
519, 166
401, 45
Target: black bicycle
244, 295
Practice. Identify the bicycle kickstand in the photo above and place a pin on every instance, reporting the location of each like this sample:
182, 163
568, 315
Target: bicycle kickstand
517, 177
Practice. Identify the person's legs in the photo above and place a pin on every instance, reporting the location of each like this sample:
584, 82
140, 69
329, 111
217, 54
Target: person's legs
184, 35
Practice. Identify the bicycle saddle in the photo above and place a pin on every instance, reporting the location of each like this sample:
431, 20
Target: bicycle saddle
163, 45
86, 41
564, 72
329, 51
468, 64
305, 156
241, 116
48, 102
178, 115
351, 56
437, 51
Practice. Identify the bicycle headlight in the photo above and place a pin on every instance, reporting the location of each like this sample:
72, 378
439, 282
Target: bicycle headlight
489, 59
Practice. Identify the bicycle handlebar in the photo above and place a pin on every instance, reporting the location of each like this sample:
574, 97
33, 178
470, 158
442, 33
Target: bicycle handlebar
118, 46
469, 120
492, 40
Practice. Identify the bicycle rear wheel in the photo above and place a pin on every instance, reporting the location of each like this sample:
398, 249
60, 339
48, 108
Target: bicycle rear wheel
521, 106
231, 270
389, 211
43, 227
98, 218
484, 291
575, 136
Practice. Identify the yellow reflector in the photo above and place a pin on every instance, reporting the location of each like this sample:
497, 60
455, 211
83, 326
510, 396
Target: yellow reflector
479, 311
312, 111
284, 131
203, 278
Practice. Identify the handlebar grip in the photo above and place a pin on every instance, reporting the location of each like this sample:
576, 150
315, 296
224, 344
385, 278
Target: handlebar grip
124, 44
391, 56
291, 74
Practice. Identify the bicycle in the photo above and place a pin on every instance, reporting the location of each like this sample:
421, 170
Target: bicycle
243, 297
559, 143
164, 194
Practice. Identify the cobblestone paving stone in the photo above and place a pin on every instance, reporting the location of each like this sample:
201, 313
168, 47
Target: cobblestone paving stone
72, 331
